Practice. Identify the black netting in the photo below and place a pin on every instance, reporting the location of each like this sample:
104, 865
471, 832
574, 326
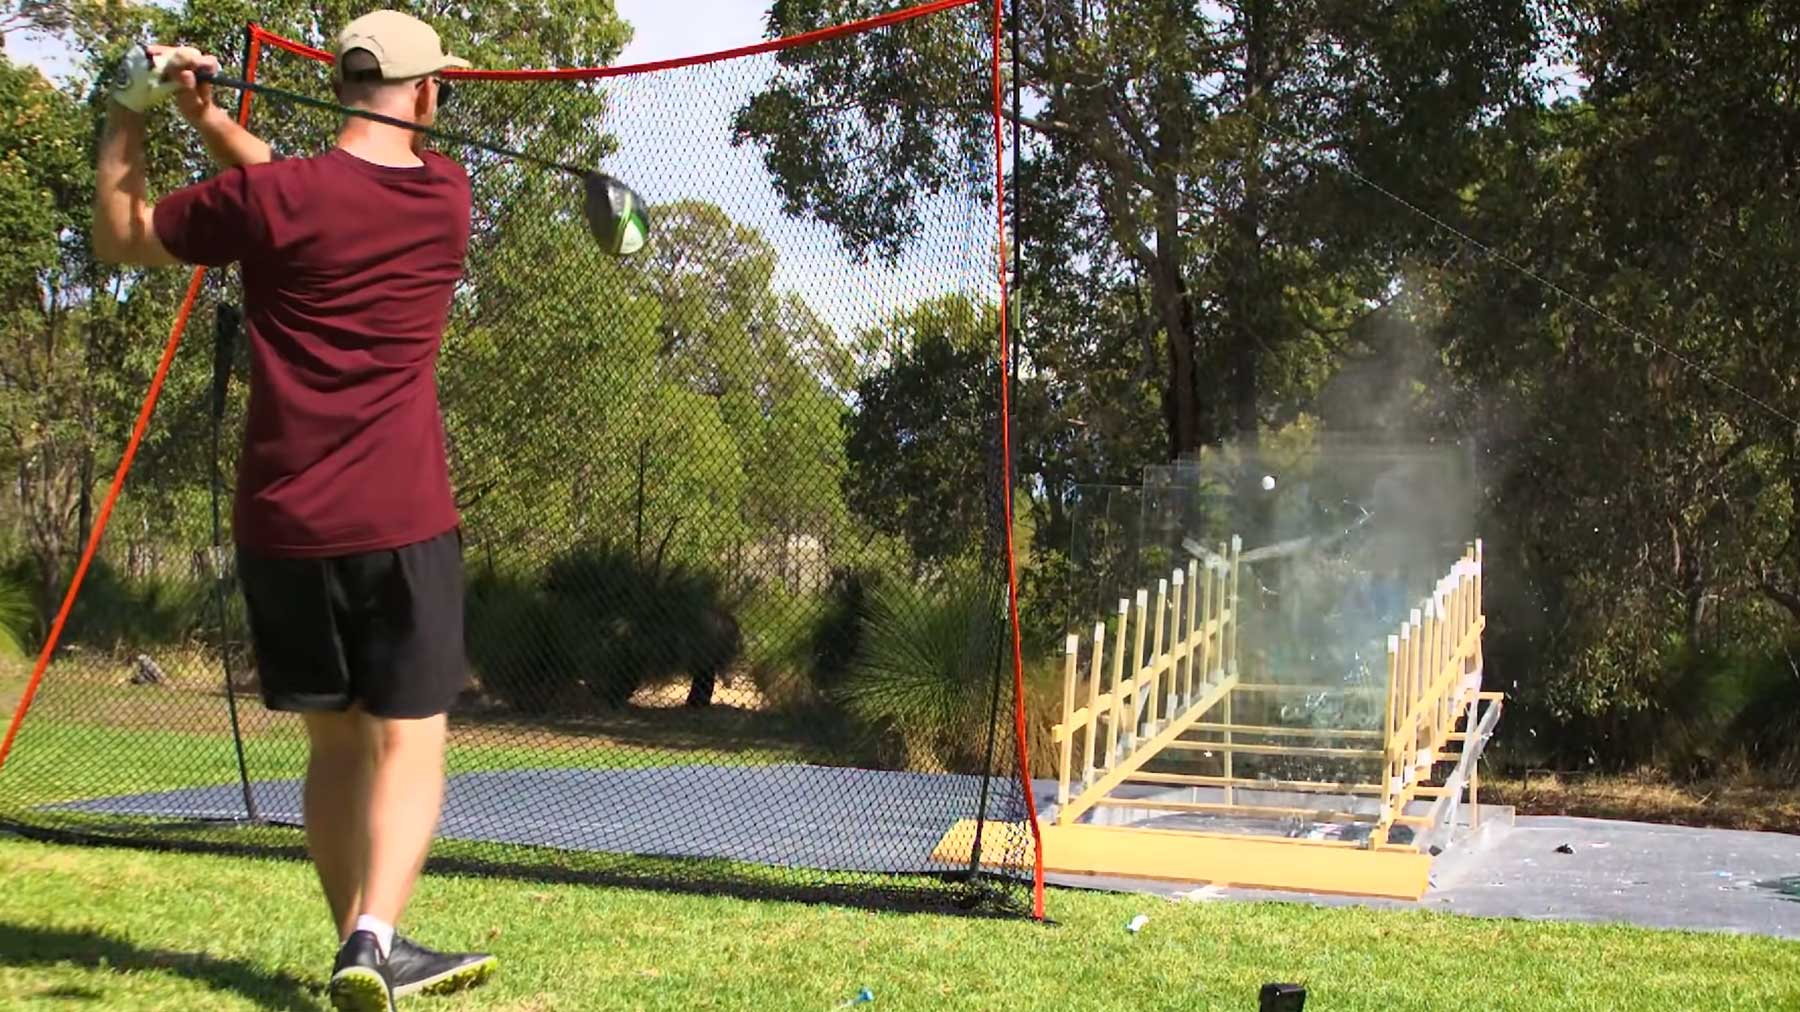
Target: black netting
709, 646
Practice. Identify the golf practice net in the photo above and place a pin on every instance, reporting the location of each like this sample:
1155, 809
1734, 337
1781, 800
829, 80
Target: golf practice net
706, 649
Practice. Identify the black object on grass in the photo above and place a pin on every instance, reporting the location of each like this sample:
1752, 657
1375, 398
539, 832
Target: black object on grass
1283, 998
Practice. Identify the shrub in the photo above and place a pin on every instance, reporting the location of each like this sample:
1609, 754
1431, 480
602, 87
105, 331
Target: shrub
923, 674
596, 627
17, 617
123, 616
802, 646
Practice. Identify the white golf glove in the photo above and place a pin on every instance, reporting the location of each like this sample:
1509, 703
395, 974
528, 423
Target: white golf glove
137, 83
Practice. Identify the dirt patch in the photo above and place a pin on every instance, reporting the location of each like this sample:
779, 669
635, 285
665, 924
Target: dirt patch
1737, 804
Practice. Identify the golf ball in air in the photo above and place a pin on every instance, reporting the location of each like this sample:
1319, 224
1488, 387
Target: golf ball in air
1268, 483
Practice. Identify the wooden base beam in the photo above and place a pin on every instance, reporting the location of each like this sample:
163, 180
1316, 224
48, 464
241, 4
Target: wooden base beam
1283, 750
1250, 811
1195, 780
1243, 862
1259, 731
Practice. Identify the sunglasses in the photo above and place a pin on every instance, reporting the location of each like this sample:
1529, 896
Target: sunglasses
445, 90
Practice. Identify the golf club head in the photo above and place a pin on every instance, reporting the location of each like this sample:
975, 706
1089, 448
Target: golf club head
616, 215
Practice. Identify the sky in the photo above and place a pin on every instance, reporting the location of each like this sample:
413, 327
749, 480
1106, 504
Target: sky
675, 131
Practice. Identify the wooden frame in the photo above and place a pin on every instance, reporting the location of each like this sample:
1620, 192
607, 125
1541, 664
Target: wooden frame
1156, 697
1162, 679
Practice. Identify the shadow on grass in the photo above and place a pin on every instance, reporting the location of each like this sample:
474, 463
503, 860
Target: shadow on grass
953, 894
22, 946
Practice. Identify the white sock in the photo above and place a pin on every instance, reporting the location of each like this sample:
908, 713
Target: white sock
382, 930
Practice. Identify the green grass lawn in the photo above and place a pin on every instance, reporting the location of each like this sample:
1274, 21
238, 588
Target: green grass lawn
121, 929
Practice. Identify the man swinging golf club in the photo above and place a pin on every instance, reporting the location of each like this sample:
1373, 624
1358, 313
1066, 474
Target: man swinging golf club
348, 541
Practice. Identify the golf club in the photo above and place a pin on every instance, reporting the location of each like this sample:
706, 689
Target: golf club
615, 213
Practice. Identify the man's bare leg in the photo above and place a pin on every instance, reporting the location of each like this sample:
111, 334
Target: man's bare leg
404, 801
339, 771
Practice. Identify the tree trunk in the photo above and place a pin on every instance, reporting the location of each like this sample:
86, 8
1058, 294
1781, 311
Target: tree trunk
1181, 403
1251, 312
1190, 422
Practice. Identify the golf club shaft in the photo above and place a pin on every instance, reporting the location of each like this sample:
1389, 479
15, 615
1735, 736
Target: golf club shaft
222, 81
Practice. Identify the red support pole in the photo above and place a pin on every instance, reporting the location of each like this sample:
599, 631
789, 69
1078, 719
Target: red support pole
1006, 457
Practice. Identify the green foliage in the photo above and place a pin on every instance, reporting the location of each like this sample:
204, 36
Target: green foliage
122, 615
1642, 491
17, 616
801, 647
921, 442
593, 628
925, 667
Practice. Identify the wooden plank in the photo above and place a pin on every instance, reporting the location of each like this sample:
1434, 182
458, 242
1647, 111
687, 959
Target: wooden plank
1118, 676
1389, 742
1206, 628
1137, 662
1294, 750
1071, 647
1092, 721
1199, 780
1258, 730
1228, 860
1273, 688
1228, 655
1255, 811
1195, 648
1178, 641
1231, 602
1158, 658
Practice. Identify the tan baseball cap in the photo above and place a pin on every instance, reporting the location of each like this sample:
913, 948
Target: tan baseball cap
403, 46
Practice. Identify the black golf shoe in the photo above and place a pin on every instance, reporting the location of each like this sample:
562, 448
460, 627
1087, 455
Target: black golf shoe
359, 981
414, 969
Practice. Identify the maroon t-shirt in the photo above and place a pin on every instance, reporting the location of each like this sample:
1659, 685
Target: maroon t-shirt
348, 269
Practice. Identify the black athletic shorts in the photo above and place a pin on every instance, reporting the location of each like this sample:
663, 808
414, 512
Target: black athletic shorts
381, 629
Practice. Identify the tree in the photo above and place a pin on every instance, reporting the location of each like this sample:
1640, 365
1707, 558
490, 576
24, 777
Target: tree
1639, 442
46, 434
1199, 156
921, 439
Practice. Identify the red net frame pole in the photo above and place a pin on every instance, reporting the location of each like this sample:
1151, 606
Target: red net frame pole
1006, 464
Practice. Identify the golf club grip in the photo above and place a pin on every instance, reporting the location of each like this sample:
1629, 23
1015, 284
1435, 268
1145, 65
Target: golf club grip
224, 81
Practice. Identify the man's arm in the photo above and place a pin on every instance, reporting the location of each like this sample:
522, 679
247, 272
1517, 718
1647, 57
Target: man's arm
228, 143
124, 229
123, 232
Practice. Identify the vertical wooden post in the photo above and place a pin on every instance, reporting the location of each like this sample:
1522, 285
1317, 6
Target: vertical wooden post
1390, 742
1093, 706
1142, 621
1071, 647
1440, 663
1207, 657
1448, 675
1410, 644
1232, 602
1229, 627
1178, 643
1157, 658
1190, 688
1118, 686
